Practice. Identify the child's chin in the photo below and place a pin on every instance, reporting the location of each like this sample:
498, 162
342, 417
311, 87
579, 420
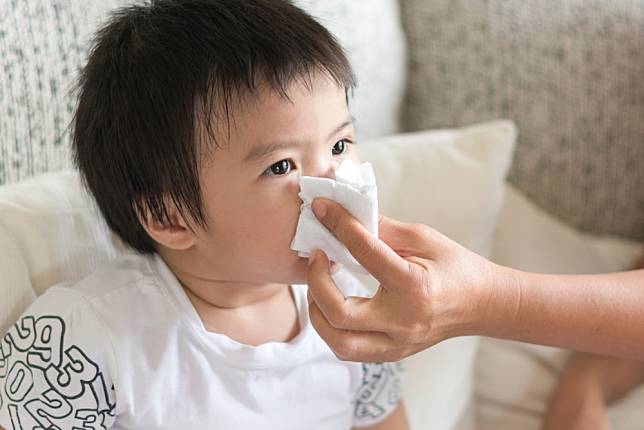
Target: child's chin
302, 267
300, 271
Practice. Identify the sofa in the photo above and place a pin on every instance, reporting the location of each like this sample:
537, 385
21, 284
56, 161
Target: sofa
567, 74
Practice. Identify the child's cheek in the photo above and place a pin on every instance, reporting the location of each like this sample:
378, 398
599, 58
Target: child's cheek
354, 156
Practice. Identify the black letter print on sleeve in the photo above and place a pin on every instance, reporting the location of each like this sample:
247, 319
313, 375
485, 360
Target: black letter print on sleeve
48, 384
380, 389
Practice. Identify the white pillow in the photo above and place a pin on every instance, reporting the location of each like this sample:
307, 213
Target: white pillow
15, 285
371, 33
453, 181
514, 380
450, 179
53, 231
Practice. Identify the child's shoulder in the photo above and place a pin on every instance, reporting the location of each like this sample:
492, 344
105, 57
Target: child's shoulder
122, 284
121, 275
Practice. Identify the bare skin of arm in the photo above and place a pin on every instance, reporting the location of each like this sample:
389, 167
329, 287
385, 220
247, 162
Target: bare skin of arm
590, 313
588, 385
432, 289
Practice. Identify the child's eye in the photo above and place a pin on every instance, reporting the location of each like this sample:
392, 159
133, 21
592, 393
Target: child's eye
340, 146
280, 168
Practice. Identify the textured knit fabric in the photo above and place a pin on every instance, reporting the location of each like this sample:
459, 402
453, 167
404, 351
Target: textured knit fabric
43, 45
570, 73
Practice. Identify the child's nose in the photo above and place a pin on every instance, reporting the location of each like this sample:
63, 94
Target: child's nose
321, 169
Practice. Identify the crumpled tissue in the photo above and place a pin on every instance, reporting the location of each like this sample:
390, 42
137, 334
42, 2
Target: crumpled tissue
354, 188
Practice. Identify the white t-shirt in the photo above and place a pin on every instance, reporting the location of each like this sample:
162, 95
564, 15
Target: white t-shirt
125, 349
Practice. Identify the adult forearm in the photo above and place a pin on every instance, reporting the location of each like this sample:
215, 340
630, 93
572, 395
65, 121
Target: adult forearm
432, 289
602, 314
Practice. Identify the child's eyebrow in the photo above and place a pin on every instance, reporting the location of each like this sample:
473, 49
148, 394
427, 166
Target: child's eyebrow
260, 151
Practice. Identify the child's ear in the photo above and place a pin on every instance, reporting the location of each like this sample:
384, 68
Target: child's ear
173, 233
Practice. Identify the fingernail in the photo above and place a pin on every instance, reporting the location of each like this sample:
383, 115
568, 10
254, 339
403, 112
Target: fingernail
312, 256
335, 267
319, 208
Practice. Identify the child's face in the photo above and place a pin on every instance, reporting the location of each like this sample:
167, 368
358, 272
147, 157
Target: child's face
251, 186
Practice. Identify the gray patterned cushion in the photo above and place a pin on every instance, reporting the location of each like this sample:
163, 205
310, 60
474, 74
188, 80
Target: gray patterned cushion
43, 44
570, 73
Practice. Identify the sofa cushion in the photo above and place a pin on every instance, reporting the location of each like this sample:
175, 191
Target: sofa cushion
570, 73
42, 47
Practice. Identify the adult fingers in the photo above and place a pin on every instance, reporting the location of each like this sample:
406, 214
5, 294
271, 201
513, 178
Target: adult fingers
373, 254
408, 239
353, 313
358, 346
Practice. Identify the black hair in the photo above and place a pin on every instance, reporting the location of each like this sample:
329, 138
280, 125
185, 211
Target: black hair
159, 72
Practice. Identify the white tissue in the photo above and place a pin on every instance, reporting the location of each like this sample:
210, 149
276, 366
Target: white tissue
354, 188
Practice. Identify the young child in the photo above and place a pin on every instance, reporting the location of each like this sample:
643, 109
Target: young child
196, 119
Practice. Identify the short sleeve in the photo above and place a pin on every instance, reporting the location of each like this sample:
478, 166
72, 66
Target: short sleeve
378, 392
376, 386
56, 367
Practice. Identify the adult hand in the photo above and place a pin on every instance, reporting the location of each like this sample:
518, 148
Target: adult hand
429, 288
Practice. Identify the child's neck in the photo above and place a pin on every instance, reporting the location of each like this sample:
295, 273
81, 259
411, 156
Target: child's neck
249, 313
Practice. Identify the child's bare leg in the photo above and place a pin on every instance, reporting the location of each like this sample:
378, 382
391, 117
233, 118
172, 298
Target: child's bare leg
588, 385
578, 402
